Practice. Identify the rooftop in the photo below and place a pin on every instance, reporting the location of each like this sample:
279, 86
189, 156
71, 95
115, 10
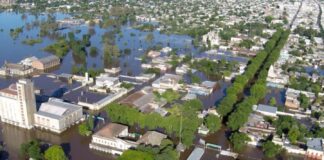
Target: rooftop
152, 137
49, 59
315, 144
57, 108
267, 108
111, 130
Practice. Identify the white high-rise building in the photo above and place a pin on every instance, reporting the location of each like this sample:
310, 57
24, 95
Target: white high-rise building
18, 104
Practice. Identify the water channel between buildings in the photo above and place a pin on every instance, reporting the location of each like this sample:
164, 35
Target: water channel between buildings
75, 145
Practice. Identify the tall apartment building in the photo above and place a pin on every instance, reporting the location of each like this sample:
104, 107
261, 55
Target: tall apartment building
18, 105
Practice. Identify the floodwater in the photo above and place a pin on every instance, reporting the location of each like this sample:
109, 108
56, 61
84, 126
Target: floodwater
75, 145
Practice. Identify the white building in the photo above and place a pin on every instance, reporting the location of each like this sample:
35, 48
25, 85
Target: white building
115, 139
18, 105
315, 149
212, 37
57, 115
104, 80
109, 139
167, 81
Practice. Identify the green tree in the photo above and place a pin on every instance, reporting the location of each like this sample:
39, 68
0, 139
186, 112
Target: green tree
270, 149
93, 51
239, 140
268, 19
31, 150
293, 134
273, 101
304, 101
135, 155
84, 129
55, 152
91, 122
213, 123
170, 95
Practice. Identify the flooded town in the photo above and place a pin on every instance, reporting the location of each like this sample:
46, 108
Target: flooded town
161, 80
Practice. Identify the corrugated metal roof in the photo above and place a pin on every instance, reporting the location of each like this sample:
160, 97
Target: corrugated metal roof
196, 154
266, 108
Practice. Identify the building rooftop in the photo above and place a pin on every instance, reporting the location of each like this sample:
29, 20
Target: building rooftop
196, 154
49, 59
57, 108
315, 144
15, 66
267, 108
152, 138
12, 90
111, 130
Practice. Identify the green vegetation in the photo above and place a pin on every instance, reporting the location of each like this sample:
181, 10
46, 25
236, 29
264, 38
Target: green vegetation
273, 101
166, 151
126, 85
79, 70
155, 71
14, 33
268, 19
169, 95
239, 140
31, 150
212, 69
146, 27
93, 51
86, 128
188, 111
227, 33
257, 68
304, 84
270, 149
213, 123
291, 128
135, 155
304, 101
94, 72
55, 152
32, 42
258, 90
309, 33
59, 48
246, 44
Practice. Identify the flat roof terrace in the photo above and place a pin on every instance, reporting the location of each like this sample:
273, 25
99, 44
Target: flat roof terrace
84, 95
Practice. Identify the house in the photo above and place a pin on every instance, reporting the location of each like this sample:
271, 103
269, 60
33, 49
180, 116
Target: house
153, 54
166, 49
152, 138
205, 88
115, 139
106, 81
257, 128
28, 61
314, 149
167, 81
212, 38
276, 78
46, 63
13, 69
112, 139
267, 110
145, 101
203, 130
57, 115
292, 96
